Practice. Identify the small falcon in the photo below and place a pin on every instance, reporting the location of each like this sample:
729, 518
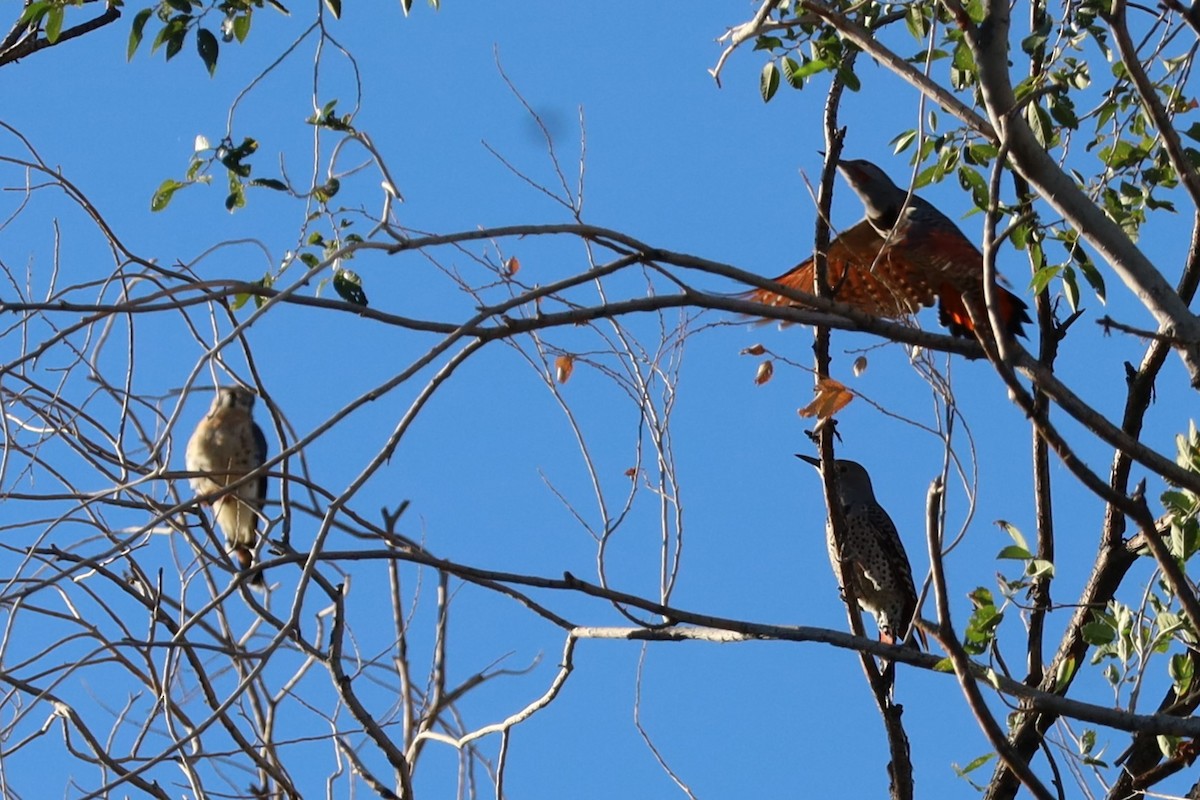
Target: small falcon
227, 446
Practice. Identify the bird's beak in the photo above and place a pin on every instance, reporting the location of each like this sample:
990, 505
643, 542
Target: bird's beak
816, 462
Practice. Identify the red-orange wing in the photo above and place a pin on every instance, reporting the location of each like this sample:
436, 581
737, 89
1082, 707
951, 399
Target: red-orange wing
950, 258
881, 286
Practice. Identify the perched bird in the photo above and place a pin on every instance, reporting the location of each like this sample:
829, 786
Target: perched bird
933, 247
891, 264
879, 567
858, 275
227, 446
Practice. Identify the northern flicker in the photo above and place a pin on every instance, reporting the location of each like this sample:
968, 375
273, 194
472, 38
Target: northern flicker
891, 264
227, 446
882, 285
879, 567
933, 247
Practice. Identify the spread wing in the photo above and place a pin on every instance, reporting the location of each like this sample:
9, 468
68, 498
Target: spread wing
883, 286
955, 265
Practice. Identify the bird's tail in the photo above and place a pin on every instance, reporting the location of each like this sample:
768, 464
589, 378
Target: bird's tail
952, 312
245, 560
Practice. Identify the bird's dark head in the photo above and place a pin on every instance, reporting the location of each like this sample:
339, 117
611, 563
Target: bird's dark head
881, 197
854, 483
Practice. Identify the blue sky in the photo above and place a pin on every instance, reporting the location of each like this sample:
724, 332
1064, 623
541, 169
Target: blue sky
681, 164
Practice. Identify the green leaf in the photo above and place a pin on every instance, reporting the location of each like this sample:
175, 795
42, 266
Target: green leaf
1062, 109
1090, 273
1037, 567
231, 157
325, 193
974, 765
135, 33
903, 141
1013, 533
850, 79
182, 6
1040, 123
194, 167
768, 81
1098, 633
1168, 622
791, 72
1032, 43
1167, 745
927, 176
54, 23
1182, 670
945, 665
270, 183
964, 59
237, 193
1071, 287
980, 155
973, 182
1066, 671
206, 44
1015, 552
915, 20
981, 597
981, 629
812, 67
1042, 278
349, 287
34, 12
174, 39
241, 27
162, 196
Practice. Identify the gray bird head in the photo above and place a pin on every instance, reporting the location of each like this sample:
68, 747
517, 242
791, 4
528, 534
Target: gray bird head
854, 484
882, 198
232, 397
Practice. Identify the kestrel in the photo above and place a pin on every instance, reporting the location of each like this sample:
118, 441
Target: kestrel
227, 446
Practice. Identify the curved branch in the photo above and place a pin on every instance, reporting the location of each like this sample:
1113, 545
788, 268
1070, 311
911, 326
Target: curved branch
33, 43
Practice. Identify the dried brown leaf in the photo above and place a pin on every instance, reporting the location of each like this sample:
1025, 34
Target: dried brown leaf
564, 365
832, 397
765, 370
